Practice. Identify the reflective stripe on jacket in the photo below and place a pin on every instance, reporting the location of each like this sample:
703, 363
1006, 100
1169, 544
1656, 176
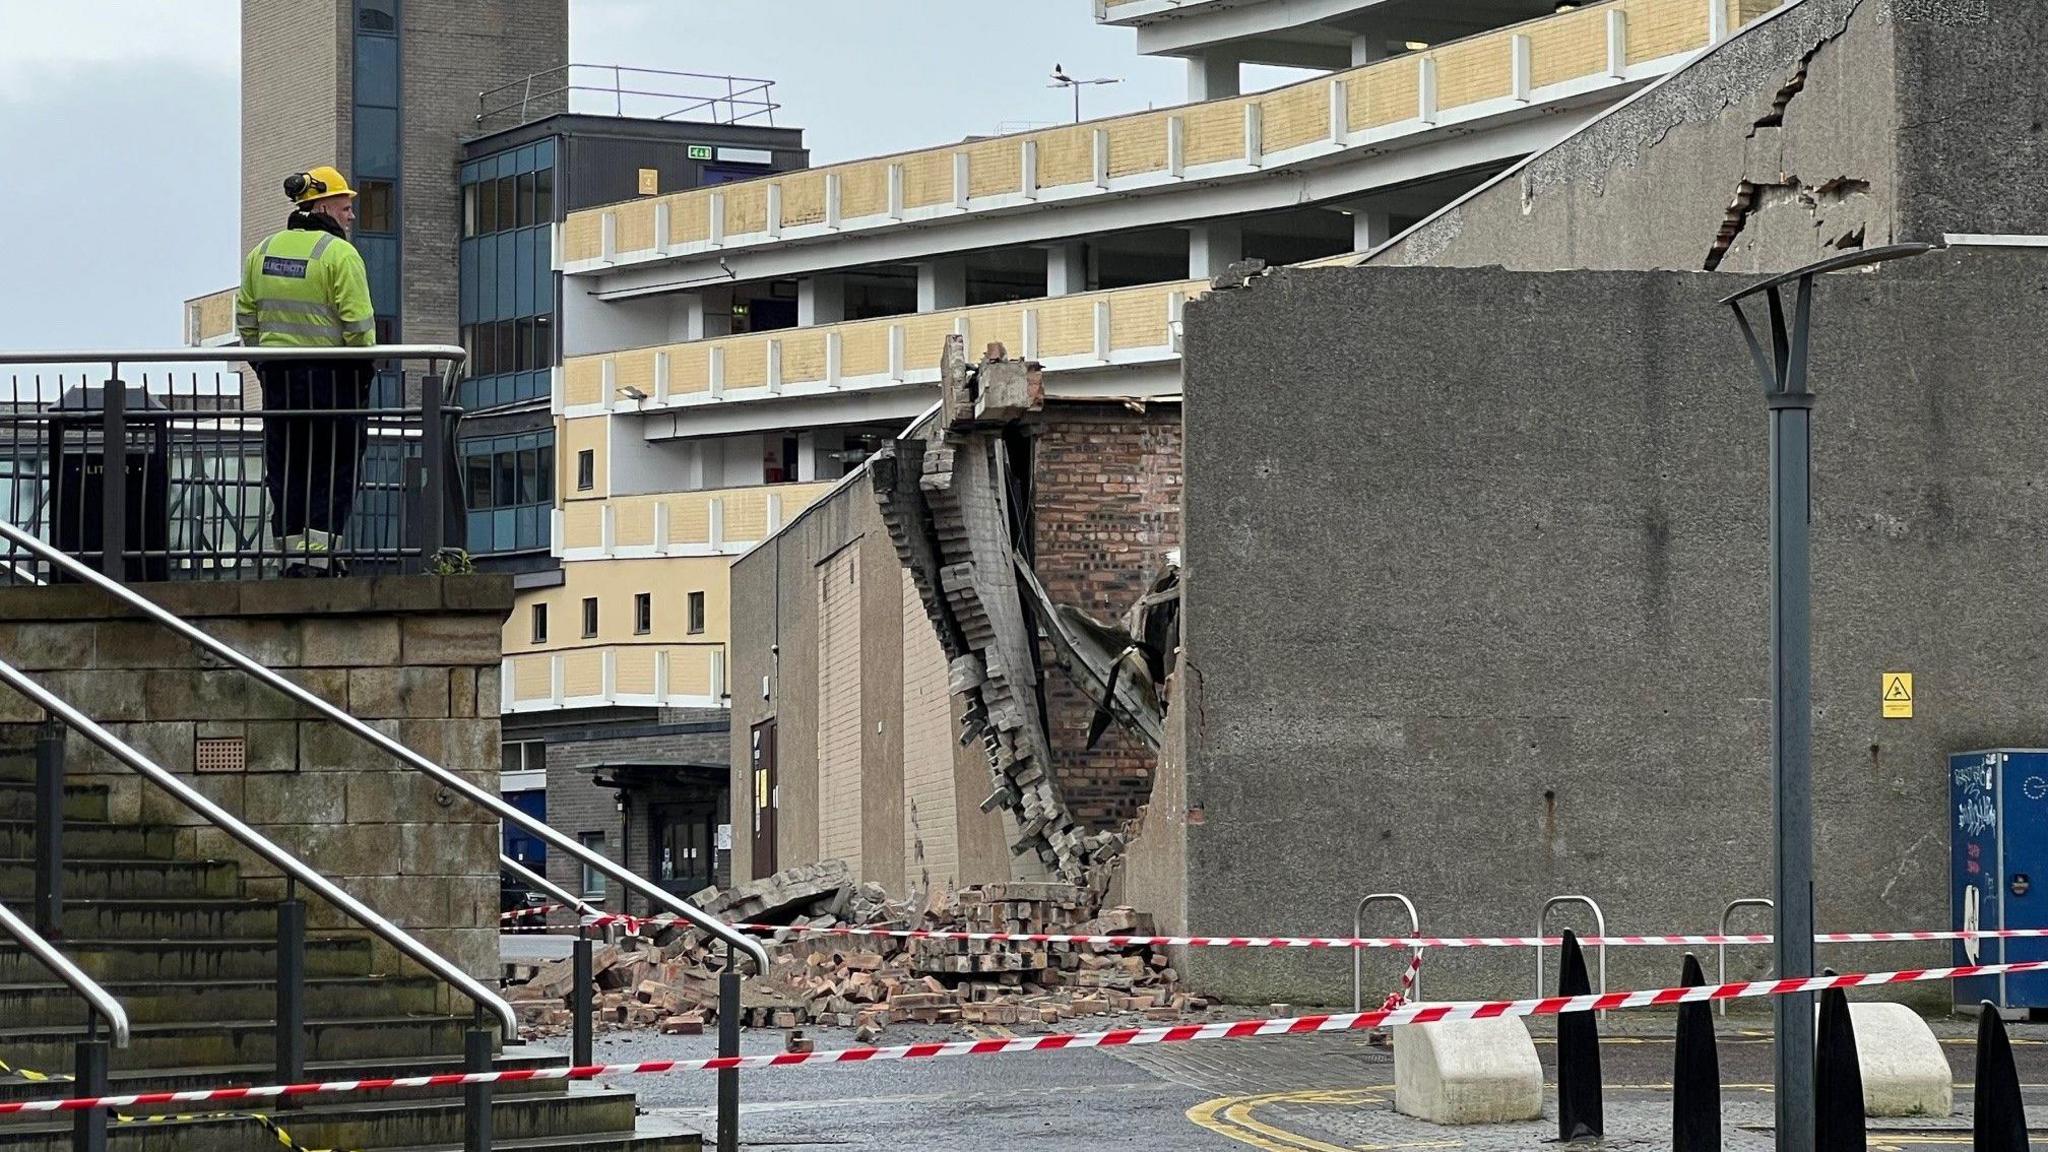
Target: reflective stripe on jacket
305, 289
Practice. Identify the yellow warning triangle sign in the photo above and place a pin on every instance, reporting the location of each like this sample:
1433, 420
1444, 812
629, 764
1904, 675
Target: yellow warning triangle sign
1895, 689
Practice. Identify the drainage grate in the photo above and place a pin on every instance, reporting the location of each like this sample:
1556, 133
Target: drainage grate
222, 754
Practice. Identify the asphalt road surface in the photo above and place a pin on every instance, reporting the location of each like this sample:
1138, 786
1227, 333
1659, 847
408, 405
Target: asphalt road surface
1291, 1094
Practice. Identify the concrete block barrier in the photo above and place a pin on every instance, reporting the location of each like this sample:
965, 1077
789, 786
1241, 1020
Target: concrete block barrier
1467, 1072
1905, 1072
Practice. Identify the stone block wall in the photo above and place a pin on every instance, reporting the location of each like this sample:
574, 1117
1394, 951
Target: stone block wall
416, 657
1107, 512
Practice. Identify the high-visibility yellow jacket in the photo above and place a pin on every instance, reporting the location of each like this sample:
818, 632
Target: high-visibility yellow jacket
305, 289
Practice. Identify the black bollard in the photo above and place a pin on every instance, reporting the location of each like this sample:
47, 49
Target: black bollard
2001, 1121
1695, 1072
1837, 1080
1578, 1053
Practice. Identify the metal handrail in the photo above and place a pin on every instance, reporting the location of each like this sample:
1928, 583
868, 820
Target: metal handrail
1358, 954
452, 780
548, 886
101, 1000
1599, 926
237, 352
1721, 964
256, 842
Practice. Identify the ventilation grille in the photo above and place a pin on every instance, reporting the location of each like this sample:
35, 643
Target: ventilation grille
222, 754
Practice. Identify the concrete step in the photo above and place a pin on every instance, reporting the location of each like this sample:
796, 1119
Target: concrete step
148, 1002
17, 765
85, 840
132, 1080
365, 1122
171, 961
186, 918
168, 1045
81, 801
129, 879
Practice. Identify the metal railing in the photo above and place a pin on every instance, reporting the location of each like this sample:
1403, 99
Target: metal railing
1721, 950
148, 466
668, 94
89, 1060
454, 781
1600, 929
548, 886
1358, 954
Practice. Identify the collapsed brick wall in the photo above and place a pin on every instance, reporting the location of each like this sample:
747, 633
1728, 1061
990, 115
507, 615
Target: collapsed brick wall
1107, 508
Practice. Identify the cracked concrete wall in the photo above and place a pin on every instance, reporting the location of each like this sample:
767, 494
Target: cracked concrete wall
1491, 627
1777, 149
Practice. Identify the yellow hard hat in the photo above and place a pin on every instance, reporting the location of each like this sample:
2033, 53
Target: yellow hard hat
318, 184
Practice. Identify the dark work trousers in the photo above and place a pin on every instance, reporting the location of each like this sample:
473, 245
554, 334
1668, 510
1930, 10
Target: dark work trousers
310, 462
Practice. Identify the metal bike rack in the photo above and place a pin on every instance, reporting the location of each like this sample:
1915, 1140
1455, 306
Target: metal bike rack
1599, 925
1721, 961
1358, 954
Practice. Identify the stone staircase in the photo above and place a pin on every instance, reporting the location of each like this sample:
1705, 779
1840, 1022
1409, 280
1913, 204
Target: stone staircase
193, 961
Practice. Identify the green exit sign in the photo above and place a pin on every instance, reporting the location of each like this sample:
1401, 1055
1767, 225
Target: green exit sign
700, 151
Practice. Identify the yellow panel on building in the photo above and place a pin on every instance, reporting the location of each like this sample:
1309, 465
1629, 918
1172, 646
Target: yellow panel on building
864, 348
1002, 325
633, 670
689, 217
1066, 155
863, 189
583, 236
1066, 326
1137, 144
924, 339
689, 369
689, 518
803, 356
803, 199
1213, 132
994, 167
635, 231
583, 524
533, 677
746, 514
633, 521
1472, 71
584, 673
927, 179
633, 369
746, 207
1567, 46
689, 669
1295, 115
583, 381
1137, 319
1658, 28
1385, 94
746, 361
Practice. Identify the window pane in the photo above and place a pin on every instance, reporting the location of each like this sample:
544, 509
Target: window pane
529, 476
374, 208
696, 612
376, 143
487, 206
545, 471
590, 616
507, 336
586, 470
543, 341
526, 200
469, 209
522, 343
643, 613
508, 202
593, 879
505, 484
378, 15
540, 623
544, 196
479, 469
377, 71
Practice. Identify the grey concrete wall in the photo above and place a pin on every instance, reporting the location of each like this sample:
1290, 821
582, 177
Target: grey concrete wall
295, 103
415, 657
1488, 623
1833, 124
455, 49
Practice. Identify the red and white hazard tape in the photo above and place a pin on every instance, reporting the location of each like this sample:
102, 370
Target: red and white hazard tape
1408, 975
521, 913
1119, 1037
1363, 941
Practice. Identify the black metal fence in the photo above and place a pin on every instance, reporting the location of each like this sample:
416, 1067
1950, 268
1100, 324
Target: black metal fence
232, 463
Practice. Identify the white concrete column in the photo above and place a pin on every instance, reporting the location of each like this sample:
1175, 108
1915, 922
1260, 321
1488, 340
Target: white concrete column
708, 313
820, 300
1212, 75
1369, 47
942, 284
1213, 247
1066, 269
807, 449
1370, 228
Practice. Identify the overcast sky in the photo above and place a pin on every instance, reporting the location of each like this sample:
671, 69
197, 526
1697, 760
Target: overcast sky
120, 121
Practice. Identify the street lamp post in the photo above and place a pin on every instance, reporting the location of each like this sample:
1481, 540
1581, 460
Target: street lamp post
1060, 79
1783, 370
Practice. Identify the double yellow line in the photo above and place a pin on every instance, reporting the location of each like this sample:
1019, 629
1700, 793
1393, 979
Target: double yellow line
1235, 1117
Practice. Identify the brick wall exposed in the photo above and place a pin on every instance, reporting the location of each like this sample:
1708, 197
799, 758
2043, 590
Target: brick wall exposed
1108, 509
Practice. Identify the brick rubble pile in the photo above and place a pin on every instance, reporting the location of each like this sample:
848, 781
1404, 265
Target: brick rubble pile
669, 976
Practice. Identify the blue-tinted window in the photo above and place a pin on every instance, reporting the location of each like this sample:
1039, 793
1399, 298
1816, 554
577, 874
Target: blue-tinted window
377, 16
380, 260
377, 71
376, 142
508, 484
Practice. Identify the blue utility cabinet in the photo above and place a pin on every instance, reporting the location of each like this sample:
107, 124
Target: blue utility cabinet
1998, 826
